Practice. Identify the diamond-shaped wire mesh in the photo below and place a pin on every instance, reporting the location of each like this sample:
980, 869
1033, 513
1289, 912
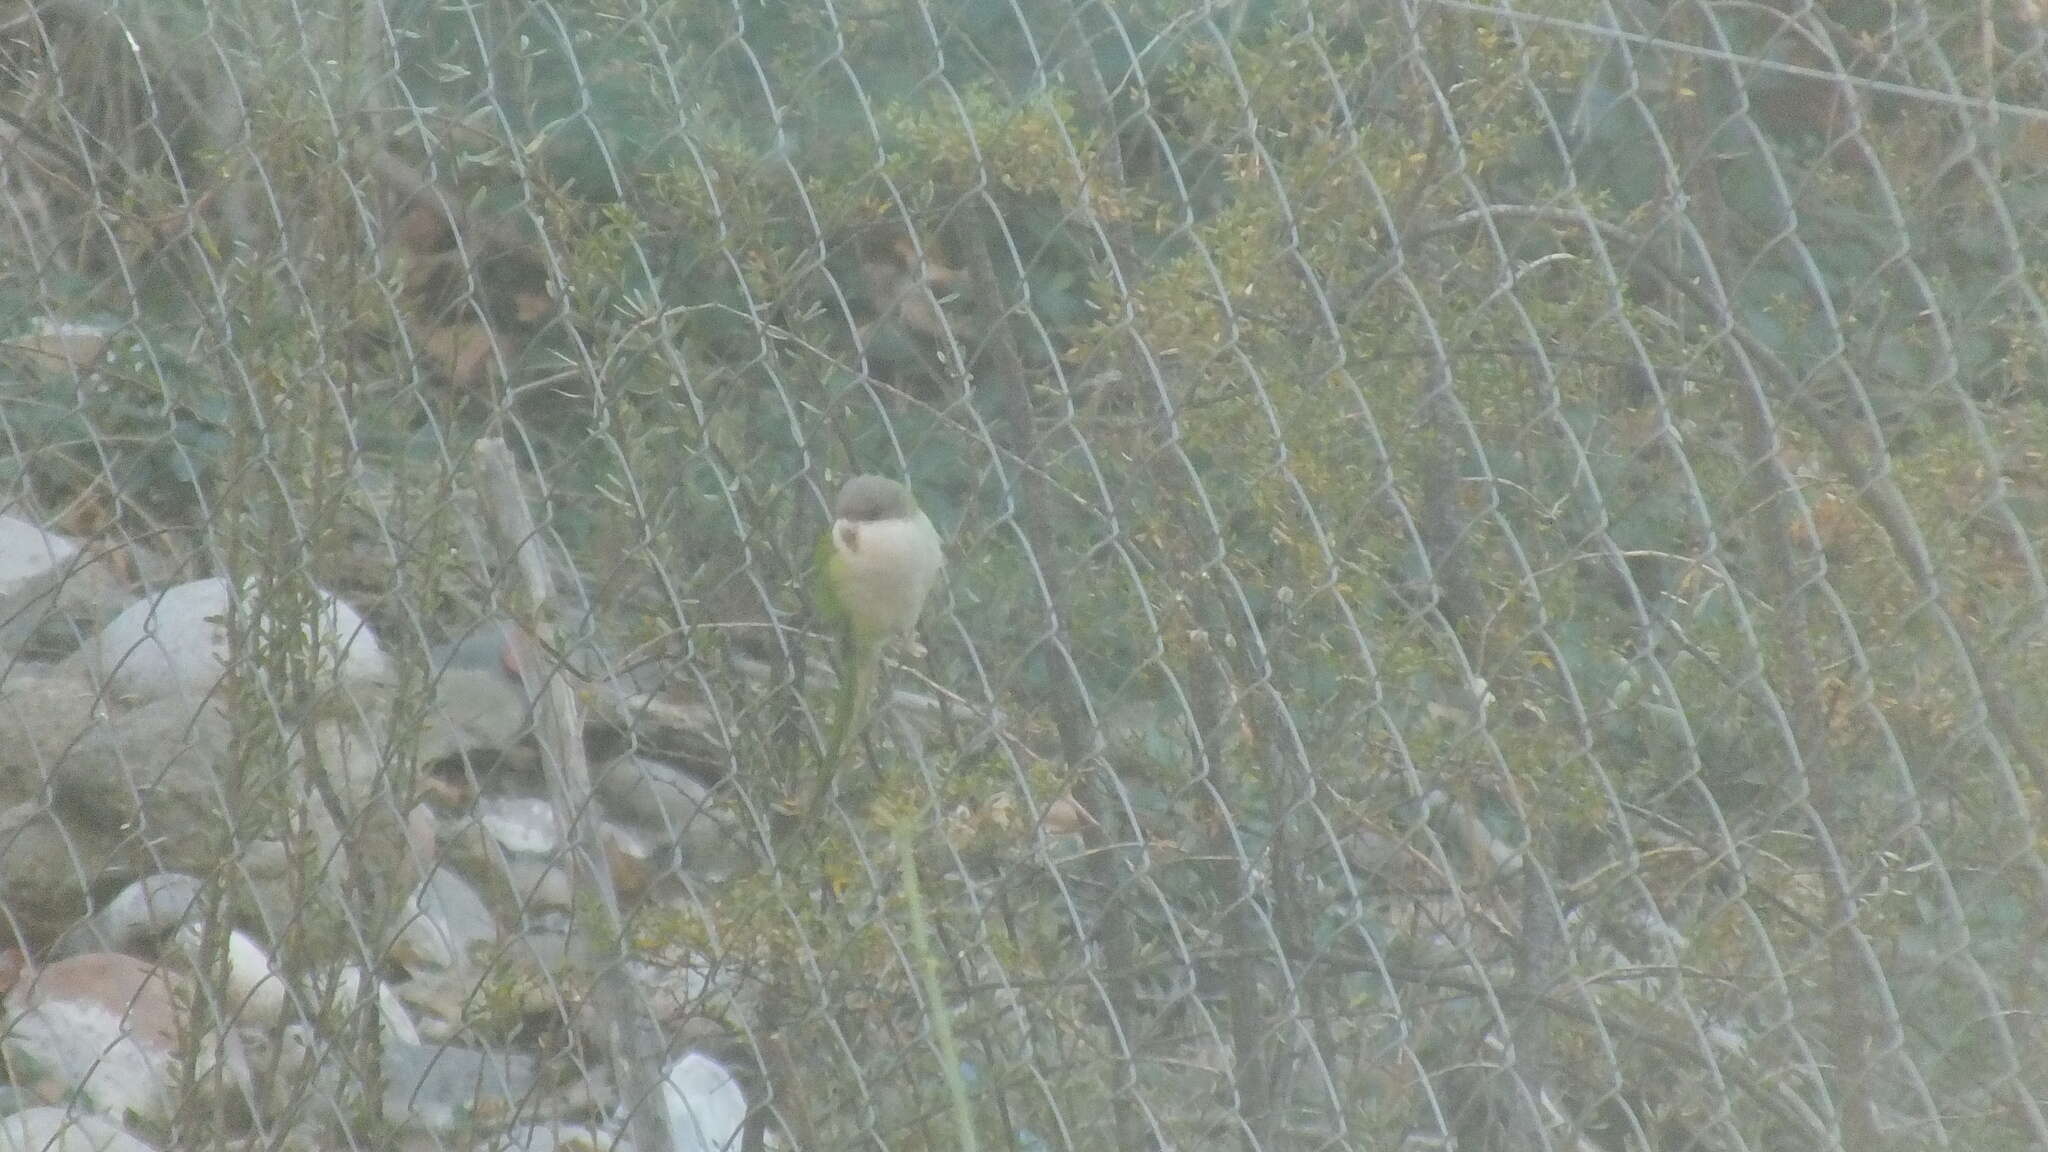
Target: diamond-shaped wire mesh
1491, 594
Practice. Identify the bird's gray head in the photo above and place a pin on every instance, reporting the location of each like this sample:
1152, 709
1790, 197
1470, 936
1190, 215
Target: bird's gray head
866, 499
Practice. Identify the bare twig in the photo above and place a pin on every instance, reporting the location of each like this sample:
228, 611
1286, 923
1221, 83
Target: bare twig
629, 1046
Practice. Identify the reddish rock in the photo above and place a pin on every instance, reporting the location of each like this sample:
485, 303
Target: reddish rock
104, 1025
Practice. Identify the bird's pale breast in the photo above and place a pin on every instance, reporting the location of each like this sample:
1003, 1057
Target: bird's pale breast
892, 565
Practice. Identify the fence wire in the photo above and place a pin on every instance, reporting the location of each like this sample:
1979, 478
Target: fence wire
1491, 592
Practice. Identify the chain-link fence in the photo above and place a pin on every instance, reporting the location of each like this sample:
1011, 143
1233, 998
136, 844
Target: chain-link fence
1491, 592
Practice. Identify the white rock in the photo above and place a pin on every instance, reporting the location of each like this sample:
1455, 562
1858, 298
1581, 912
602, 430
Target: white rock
521, 824
706, 1109
101, 1026
176, 643
27, 552
397, 1021
64, 1130
450, 920
256, 992
528, 848
51, 588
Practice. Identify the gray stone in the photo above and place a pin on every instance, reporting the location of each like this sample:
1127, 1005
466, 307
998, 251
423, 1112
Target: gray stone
514, 850
102, 793
64, 1130
44, 710
48, 866
139, 918
560, 1138
447, 1088
545, 951
491, 646
669, 805
46, 869
176, 643
52, 592
105, 792
474, 710
450, 924
157, 769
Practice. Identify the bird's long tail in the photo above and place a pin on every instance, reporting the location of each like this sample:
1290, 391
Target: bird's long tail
855, 700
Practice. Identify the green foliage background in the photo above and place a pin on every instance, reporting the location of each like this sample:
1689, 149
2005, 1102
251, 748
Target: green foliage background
1518, 527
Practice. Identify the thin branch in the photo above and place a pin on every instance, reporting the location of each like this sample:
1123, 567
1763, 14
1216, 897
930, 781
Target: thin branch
560, 730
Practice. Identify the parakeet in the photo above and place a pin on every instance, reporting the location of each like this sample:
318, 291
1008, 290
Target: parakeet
876, 565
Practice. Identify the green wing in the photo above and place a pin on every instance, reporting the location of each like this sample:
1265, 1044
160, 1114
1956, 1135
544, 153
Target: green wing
832, 614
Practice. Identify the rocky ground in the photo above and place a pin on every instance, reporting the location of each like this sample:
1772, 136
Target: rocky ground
190, 896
